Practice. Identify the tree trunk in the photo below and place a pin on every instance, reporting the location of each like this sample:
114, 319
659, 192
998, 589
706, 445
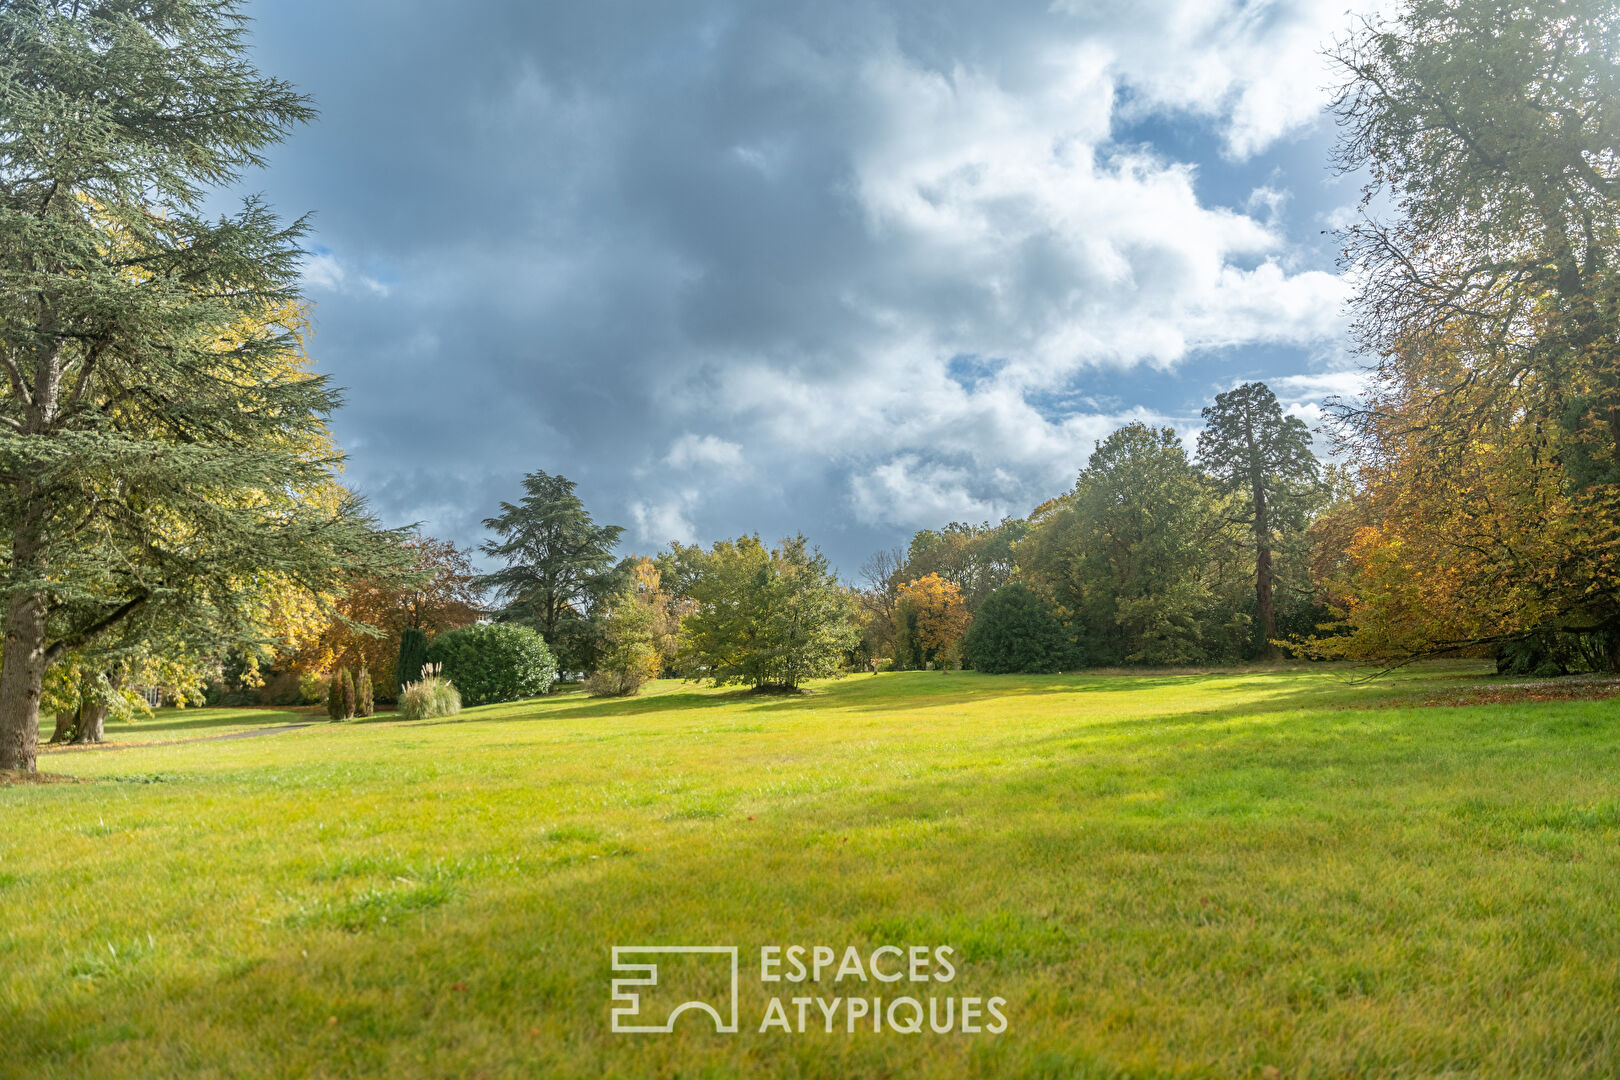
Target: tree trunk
67, 725
92, 722
22, 682
93, 708
1264, 609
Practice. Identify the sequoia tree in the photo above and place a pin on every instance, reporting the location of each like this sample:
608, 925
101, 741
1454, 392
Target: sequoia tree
1255, 451
160, 452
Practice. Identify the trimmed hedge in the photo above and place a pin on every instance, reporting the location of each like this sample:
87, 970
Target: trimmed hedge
495, 662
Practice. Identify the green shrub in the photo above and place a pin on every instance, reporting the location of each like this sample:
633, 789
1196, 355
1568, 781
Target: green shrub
312, 688
348, 694
495, 662
609, 682
363, 703
1016, 630
334, 696
413, 654
432, 696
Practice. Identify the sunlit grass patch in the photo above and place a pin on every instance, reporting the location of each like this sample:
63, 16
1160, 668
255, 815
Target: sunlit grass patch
1194, 875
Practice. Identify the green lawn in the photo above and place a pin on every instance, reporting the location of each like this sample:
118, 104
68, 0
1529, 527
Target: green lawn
1223, 875
174, 725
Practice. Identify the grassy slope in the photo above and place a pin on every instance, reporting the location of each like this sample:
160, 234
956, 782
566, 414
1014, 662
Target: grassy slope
1195, 875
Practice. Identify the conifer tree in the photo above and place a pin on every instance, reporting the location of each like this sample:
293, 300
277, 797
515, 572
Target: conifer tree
349, 702
558, 559
159, 450
334, 696
1255, 451
413, 652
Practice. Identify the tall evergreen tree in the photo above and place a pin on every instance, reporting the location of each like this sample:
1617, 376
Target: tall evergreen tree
334, 696
1265, 457
557, 557
413, 653
160, 448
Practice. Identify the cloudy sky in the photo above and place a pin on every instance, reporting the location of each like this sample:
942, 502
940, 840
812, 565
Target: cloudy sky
845, 268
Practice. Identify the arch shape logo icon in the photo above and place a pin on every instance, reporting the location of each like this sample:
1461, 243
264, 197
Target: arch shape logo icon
640, 967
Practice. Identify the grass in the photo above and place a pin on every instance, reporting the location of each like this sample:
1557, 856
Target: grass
1248, 874
169, 725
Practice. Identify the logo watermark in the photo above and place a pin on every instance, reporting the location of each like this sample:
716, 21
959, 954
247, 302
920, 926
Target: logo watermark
629, 991
889, 988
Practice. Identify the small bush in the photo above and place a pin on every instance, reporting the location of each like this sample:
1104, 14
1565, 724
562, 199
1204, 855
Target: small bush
312, 689
622, 683
282, 688
349, 701
494, 662
363, 703
432, 696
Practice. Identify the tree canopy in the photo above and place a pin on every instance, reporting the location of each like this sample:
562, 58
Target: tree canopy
1256, 452
559, 561
1487, 509
1141, 554
768, 617
164, 445
1017, 631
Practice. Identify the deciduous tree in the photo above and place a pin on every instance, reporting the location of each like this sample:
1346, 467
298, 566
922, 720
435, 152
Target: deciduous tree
930, 619
1488, 504
1144, 554
771, 618
641, 635
439, 592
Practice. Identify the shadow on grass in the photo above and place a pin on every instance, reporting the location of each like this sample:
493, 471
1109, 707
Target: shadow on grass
1313, 687
186, 721
1247, 832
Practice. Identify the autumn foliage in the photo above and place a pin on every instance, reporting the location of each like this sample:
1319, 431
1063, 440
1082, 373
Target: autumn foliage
930, 622
441, 594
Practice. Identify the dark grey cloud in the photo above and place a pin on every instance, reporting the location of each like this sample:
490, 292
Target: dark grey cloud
844, 268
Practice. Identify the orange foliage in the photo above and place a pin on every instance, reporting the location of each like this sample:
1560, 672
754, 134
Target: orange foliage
444, 597
942, 617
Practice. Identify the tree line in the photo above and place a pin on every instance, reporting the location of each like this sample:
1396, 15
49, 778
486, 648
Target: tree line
1155, 556
171, 511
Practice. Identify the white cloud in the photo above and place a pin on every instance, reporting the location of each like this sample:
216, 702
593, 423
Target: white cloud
690, 451
662, 520
910, 492
1347, 383
1067, 252
325, 272
1253, 66
1011, 228
769, 260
